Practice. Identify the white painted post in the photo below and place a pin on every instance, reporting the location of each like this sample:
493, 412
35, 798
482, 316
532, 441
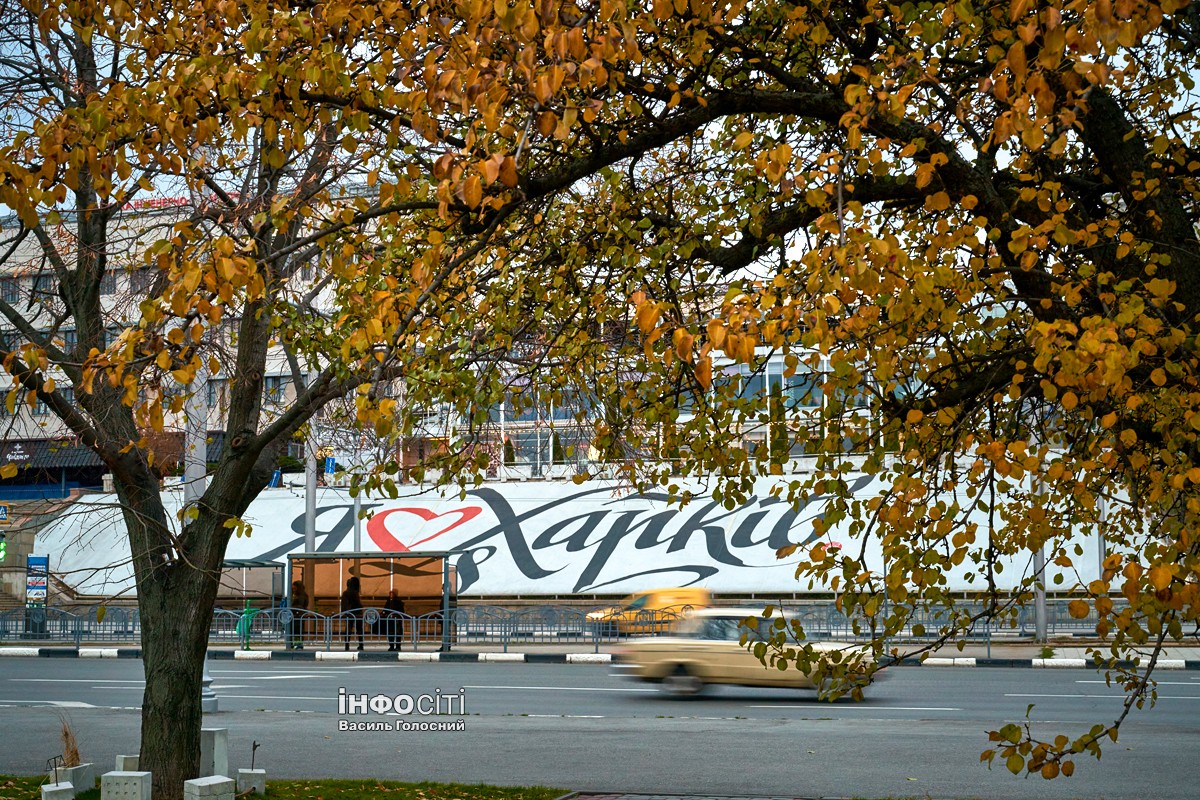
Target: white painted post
252, 780
63, 790
214, 751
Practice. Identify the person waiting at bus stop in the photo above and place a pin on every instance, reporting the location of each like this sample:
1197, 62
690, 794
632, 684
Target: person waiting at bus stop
352, 607
299, 605
395, 620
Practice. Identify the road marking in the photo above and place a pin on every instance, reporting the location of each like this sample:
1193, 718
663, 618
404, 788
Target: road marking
383, 666
70, 680
1109, 696
562, 688
565, 716
331, 699
278, 677
1160, 683
839, 707
306, 671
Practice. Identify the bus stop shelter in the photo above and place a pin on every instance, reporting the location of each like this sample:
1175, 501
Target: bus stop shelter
426, 581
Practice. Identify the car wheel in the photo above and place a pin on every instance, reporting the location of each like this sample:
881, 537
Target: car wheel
682, 682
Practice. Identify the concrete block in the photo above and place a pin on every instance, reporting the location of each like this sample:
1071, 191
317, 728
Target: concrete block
97, 652
127, 763
501, 656
589, 658
337, 655
82, 777
938, 662
251, 655
125, 786
252, 780
1171, 663
212, 787
63, 790
417, 656
214, 752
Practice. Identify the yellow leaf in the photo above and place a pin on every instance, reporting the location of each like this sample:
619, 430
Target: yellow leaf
472, 191
647, 316
683, 344
1161, 576
704, 372
743, 140
1078, 609
716, 333
8, 471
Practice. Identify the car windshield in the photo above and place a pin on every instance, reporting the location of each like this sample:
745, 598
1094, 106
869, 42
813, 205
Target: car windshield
634, 603
725, 629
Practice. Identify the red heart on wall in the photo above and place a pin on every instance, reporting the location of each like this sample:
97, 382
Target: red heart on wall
383, 538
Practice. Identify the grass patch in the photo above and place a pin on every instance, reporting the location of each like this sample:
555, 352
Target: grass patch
22, 788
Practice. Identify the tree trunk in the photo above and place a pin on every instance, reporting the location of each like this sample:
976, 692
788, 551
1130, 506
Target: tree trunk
176, 604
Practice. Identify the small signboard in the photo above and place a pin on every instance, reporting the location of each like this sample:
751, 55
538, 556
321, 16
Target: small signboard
37, 579
4, 513
330, 465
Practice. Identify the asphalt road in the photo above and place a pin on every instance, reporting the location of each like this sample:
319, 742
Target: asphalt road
919, 733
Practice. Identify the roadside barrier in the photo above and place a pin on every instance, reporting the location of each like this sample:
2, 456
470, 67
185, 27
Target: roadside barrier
484, 625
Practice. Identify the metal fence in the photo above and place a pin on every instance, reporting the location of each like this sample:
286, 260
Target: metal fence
489, 627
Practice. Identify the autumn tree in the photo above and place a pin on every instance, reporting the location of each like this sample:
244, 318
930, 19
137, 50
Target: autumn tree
980, 217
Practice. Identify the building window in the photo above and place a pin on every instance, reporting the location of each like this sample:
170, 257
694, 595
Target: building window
70, 340
44, 288
40, 409
10, 290
217, 392
108, 282
140, 280
273, 386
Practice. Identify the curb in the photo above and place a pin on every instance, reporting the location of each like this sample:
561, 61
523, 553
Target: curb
453, 657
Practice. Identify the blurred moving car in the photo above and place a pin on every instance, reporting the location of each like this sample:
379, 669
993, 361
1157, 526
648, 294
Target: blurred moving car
706, 648
652, 611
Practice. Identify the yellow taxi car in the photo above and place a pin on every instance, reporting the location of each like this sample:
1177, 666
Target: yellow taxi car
706, 648
654, 611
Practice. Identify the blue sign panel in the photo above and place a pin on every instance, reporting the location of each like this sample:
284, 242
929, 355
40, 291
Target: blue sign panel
37, 578
330, 465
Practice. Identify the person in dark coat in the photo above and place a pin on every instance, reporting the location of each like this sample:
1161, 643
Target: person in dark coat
298, 604
395, 622
352, 607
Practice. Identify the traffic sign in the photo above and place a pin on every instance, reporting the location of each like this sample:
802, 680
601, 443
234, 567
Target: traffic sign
4, 515
330, 465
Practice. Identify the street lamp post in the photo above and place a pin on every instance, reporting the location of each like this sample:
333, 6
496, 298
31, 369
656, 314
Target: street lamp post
195, 478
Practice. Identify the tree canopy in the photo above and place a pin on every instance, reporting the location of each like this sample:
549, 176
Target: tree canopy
981, 217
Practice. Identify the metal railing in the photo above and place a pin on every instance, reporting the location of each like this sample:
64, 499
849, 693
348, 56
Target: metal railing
483, 626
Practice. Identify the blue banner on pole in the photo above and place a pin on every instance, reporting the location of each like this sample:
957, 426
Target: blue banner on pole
37, 574
276, 479
330, 465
